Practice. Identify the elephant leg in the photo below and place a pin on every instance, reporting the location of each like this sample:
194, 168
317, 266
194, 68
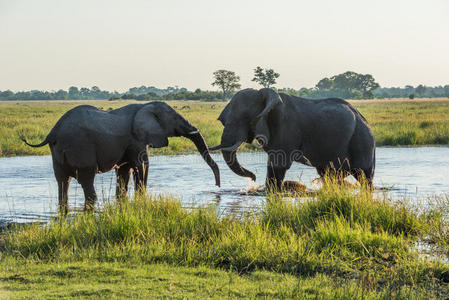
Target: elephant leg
321, 171
63, 194
363, 176
86, 179
369, 174
330, 172
63, 181
141, 176
275, 175
123, 174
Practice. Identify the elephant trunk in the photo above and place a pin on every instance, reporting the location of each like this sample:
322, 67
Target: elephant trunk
232, 138
196, 137
230, 158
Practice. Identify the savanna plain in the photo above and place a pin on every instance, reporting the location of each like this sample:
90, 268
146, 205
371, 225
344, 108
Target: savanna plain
337, 244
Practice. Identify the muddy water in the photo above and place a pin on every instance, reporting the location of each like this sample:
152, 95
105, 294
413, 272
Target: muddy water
28, 190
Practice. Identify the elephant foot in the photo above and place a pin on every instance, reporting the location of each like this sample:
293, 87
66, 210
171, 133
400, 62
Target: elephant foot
293, 187
287, 186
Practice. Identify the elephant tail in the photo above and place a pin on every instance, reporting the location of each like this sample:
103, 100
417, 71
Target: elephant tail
45, 142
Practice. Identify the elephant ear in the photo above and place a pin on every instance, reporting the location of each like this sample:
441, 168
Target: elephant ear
225, 114
271, 99
147, 128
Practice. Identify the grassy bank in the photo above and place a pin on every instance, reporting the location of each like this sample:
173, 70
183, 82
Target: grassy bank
335, 245
394, 122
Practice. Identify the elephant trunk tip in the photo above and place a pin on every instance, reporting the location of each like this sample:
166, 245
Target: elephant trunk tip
231, 160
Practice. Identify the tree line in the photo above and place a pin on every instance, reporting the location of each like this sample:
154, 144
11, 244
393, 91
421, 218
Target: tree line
349, 85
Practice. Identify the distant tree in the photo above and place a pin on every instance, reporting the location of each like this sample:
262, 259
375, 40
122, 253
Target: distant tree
266, 78
84, 93
60, 95
446, 90
228, 81
6, 94
324, 84
351, 82
411, 96
74, 93
366, 84
420, 90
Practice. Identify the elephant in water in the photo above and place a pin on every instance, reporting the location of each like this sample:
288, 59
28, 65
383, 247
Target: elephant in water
87, 141
328, 134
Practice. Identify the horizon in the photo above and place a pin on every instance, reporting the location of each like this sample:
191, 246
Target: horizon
192, 90
117, 45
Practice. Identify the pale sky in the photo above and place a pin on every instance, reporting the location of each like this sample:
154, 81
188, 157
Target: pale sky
53, 44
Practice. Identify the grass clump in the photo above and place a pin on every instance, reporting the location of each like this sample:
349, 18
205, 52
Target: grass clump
335, 202
345, 243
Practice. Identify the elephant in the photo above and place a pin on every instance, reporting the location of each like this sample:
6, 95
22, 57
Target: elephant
86, 141
328, 134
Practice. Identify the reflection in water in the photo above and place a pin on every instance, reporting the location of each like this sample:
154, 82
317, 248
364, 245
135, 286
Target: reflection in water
28, 189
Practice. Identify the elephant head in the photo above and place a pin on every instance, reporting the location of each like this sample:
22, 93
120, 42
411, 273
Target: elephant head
245, 118
156, 121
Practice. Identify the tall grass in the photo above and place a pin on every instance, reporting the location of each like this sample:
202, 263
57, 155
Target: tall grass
417, 122
337, 232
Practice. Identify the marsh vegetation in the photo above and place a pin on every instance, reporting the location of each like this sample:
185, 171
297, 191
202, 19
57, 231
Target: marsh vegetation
337, 244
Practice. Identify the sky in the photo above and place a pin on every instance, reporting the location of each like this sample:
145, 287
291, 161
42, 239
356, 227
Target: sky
55, 44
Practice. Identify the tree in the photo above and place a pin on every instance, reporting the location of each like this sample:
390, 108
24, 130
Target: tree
446, 90
324, 84
350, 82
420, 90
74, 93
228, 81
84, 93
265, 78
366, 84
60, 95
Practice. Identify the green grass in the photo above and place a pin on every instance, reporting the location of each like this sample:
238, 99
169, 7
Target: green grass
338, 244
408, 122
394, 122
142, 281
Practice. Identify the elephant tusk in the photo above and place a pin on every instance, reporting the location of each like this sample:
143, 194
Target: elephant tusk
233, 147
194, 132
218, 147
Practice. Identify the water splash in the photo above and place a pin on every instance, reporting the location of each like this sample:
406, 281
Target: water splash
251, 185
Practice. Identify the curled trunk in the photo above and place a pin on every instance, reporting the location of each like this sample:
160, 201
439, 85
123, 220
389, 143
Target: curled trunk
230, 158
200, 144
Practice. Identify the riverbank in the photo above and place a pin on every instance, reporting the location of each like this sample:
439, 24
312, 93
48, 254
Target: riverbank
334, 245
394, 122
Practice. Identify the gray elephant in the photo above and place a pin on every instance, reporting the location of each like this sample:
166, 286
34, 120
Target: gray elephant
87, 141
328, 134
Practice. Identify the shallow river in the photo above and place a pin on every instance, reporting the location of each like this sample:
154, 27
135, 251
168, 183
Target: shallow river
28, 190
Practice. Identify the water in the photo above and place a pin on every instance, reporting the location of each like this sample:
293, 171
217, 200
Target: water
28, 190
